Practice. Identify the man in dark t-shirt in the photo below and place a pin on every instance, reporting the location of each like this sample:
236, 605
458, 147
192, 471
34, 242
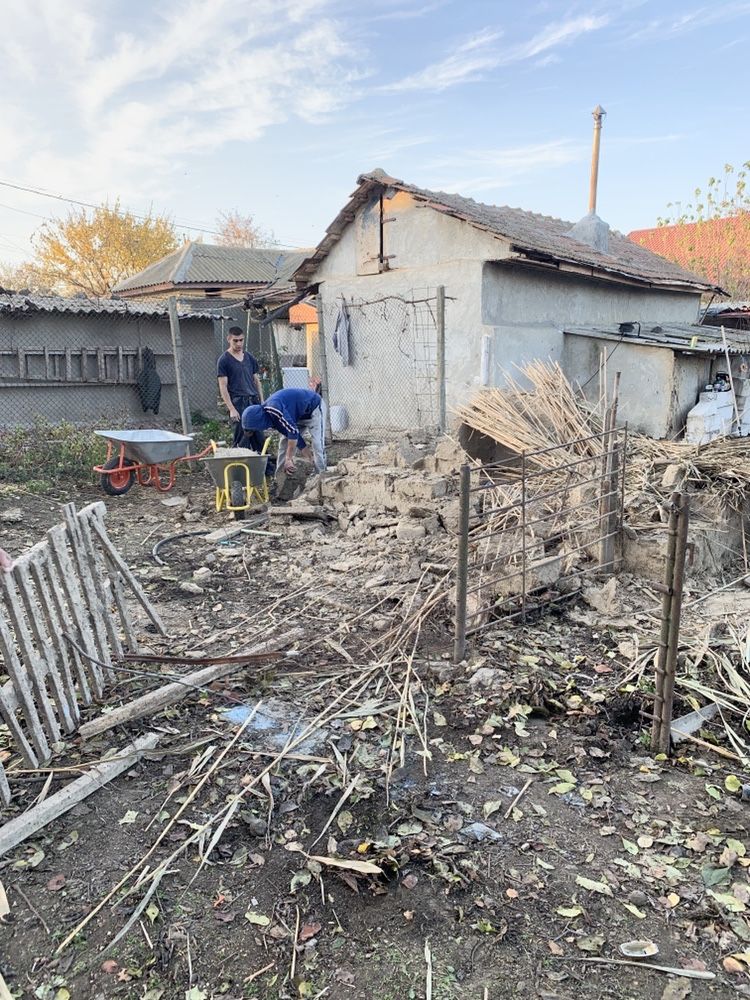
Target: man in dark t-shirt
239, 386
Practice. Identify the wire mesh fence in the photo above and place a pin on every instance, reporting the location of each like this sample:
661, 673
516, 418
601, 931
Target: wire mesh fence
534, 527
384, 362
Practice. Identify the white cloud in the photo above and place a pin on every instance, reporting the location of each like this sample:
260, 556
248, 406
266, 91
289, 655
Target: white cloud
487, 169
481, 54
469, 62
119, 113
689, 21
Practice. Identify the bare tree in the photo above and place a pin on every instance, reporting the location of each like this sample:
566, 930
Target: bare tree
239, 230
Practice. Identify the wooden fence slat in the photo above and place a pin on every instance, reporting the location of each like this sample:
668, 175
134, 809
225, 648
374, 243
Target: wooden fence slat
29, 657
8, 708
116, 559
97, 565
19, 678
58, 613
44, 644
96, 513
69, 580
92, 603
50, 608
4, 787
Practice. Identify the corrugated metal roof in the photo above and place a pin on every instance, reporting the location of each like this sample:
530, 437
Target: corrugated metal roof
208, 265
17, 302
671, 336
535, 237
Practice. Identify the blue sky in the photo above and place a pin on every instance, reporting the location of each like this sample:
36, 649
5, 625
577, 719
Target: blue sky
273, 107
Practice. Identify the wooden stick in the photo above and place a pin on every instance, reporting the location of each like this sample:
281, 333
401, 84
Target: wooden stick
518, 798
668, 969
157, 700
33, 909
18, 829
114, 556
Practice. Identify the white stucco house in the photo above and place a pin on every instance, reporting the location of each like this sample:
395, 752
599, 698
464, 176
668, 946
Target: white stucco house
518, 285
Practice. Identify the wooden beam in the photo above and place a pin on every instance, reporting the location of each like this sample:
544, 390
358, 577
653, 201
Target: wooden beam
30, 822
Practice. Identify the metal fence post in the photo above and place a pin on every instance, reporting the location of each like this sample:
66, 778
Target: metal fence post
182, 398
669, 637
462, 565
524, 582
440, 319
324, 368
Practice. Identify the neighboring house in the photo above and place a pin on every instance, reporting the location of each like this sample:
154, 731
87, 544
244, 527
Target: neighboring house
77, 360
205, 271
227, 279
718, 249
514, 282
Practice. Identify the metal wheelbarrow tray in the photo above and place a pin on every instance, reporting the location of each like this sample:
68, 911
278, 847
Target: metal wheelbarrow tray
149, 456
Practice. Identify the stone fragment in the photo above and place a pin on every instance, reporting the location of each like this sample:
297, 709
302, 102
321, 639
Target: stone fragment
410, 531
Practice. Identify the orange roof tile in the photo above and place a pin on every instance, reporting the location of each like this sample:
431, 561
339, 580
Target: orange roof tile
717, 249
303, 312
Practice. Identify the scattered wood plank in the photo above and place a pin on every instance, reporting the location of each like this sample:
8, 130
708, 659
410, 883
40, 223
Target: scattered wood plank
15, 831
225, 533
49, 609
155, 701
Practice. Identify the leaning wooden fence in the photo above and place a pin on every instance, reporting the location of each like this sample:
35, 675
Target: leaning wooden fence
64, 622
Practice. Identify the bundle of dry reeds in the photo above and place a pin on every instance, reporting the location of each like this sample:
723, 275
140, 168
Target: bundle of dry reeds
545, 415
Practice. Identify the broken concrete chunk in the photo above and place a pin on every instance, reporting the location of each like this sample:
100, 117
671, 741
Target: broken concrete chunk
201, 574
673, 476
410, 531
12, 515
478, 832
484, 677
187, 587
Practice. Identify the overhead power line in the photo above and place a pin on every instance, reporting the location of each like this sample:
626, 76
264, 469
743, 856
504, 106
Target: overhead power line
89, 204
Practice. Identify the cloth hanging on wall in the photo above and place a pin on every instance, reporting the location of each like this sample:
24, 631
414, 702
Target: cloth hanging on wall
342, 334
148, 383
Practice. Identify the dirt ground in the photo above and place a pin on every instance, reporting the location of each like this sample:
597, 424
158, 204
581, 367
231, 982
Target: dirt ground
523, 830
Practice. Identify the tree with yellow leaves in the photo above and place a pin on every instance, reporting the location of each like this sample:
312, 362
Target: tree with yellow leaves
91, 252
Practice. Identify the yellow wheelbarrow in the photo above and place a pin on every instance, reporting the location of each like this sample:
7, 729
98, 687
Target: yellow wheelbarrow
240, 480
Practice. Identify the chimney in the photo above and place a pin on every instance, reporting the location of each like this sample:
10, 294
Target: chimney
591, 229
598, 114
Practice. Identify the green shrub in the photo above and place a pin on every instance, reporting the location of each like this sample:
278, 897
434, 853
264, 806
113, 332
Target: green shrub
46, 453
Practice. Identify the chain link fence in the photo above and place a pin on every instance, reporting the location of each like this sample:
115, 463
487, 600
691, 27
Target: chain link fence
386, 378
69, 365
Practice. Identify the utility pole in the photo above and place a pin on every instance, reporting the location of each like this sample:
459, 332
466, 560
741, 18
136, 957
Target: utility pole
599, 115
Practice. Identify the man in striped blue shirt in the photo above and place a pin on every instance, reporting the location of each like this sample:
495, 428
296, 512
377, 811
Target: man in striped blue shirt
287, 412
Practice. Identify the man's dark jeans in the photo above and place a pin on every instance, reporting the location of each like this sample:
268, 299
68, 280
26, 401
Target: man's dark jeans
250, 439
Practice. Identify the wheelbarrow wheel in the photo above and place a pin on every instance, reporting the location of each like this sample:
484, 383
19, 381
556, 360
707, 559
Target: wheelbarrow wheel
238, 500
116, 483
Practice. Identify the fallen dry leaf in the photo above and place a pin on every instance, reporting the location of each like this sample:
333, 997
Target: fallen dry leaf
409, 881
310, 931
677, 989
732, 965
363, 867
554, 947
56, 883
110, 966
